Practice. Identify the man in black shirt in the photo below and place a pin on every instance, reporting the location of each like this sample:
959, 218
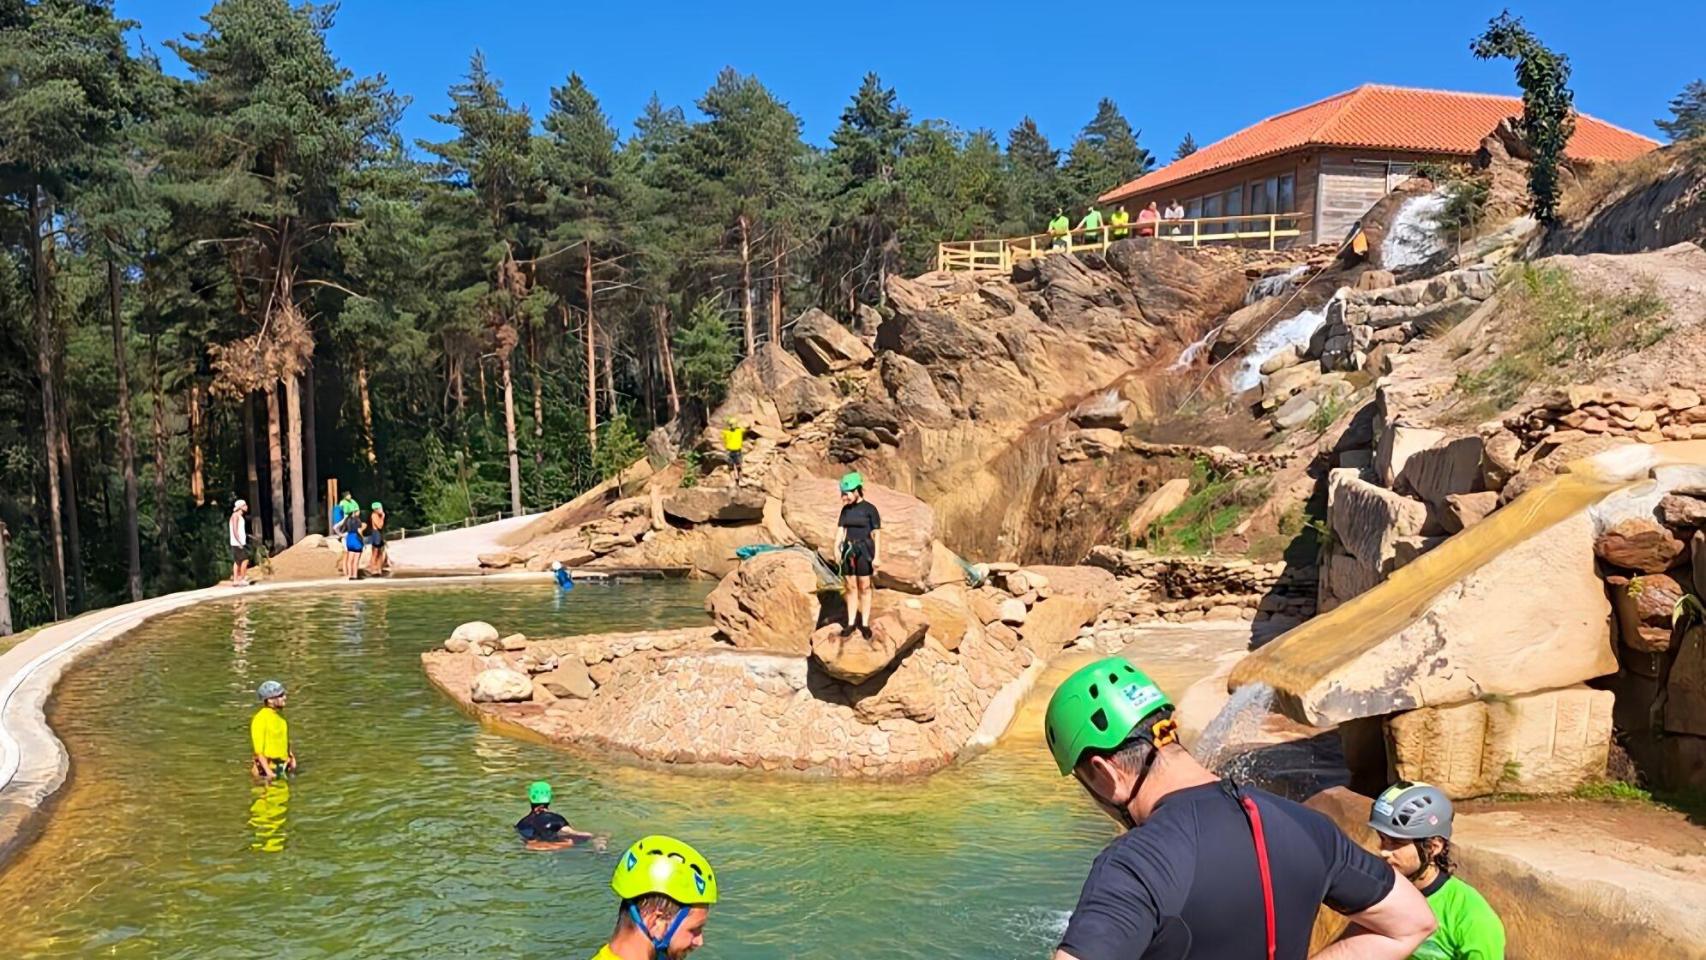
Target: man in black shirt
856, 548
544, 828
1207, 870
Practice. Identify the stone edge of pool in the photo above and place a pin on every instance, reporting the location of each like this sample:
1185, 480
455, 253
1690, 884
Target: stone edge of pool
33, 761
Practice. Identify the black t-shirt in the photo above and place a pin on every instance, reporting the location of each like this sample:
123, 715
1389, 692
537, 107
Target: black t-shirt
540, 825
1185, 883
860, 519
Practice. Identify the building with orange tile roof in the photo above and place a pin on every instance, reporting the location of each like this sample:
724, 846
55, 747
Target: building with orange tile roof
1331, 160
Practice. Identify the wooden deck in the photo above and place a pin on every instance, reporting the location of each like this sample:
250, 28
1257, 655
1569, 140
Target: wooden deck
999, 255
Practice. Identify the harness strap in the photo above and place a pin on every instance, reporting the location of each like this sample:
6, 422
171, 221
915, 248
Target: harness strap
1254, 815
661, 944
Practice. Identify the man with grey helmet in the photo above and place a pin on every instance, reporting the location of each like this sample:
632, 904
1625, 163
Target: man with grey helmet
269, 735
1414, 824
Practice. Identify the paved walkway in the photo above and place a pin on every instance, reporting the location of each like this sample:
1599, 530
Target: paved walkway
453, 550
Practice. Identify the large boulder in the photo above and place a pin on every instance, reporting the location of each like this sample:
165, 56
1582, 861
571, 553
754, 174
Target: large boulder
768, 603
1644, 606
909, 386
569, 680
1160, 502
1396, 445
825, 345
1443, 632
475, 633
1053, 622
1367, 520
1685, 686
803, 399
765, 371
855, 657
1107, 410
1440, 471
1547, 742
715, 504
1640, 544
500, 685
812, 506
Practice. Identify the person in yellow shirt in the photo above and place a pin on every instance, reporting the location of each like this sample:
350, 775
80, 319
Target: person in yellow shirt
1119, 219
269, 735
667, 889
734, 443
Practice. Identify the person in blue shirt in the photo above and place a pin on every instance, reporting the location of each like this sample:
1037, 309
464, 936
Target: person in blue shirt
564, 581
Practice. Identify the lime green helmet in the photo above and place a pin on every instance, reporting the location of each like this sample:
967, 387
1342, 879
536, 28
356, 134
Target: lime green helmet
377, 506
538, 792
660, 864
851, 482
1100, 707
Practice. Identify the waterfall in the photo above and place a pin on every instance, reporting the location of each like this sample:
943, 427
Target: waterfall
1237, 723
1413, 236
1189, 355
1273, 285
1294, 332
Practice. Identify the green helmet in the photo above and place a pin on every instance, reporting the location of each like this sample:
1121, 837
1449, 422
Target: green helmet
538, 792
660, 864
377, 506
851, 482
1098, 708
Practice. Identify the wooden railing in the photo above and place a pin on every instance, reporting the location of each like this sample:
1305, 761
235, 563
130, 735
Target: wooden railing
1001, 254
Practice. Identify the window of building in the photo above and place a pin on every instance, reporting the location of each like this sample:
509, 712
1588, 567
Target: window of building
1232, 201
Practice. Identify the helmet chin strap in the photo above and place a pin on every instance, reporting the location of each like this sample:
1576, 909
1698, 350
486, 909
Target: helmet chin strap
659, 944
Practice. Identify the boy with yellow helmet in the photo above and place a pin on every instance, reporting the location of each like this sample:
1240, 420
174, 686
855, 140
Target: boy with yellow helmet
666, 888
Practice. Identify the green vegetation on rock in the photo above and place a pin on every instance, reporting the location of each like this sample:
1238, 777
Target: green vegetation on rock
1217, 504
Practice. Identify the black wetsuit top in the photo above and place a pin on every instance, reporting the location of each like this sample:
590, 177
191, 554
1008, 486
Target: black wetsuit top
1186, 884
860, 519
541, 825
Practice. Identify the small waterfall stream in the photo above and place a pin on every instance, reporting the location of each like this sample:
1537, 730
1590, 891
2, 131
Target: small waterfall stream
1292, 332
1189, 355
1413, 237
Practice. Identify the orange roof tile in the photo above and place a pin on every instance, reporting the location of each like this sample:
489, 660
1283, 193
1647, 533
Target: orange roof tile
1387, 118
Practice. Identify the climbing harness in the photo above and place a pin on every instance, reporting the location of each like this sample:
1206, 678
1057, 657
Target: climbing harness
1253, 816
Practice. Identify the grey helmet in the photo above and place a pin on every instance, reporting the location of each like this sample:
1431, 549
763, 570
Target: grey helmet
270, 689
1411, 811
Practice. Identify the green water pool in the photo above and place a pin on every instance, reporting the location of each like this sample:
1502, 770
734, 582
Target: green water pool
395, 839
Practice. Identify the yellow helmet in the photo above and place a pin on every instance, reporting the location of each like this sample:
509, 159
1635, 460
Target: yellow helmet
660, 864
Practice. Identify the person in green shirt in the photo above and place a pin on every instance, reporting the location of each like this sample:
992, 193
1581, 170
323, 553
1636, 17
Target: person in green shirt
1414, 824
1092, 226
1119, 218
1059, 228
667, 889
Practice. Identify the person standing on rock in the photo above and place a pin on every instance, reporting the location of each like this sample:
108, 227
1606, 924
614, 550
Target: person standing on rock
856, 547
1206, 868
355, 540
238, 535
376, 539
269, 735
734, 442
667, 889
1414, 824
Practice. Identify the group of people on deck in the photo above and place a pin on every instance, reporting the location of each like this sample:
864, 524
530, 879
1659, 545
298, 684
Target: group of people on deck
1118, 226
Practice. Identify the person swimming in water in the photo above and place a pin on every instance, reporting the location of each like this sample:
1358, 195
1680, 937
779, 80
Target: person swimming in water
564, 580
544, 828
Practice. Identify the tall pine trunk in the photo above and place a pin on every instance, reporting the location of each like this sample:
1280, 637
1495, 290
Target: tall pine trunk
275, 465
198, 482
591, 359
776, 292
298, 493
746, 284
538, 392
5, 589
73, 522
252, 467
126, 436
509, 436
366, 400
310, 462
49, 399
609, 373
660, 316
162, 520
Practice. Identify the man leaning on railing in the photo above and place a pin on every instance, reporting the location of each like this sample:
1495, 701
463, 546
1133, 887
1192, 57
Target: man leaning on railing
1058, 229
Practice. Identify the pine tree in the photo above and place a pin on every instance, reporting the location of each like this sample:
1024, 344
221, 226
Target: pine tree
1687, 114
1033, 175
1186, 147
864, 196
654, 178
1104, 156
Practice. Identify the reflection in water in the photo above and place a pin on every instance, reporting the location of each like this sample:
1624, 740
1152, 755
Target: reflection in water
267, 814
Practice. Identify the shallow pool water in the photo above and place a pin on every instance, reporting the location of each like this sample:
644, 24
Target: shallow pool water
395, 838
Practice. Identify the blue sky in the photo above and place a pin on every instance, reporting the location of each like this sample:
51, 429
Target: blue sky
1209, 68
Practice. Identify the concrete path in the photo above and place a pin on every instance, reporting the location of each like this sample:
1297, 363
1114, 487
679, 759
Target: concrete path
453, 550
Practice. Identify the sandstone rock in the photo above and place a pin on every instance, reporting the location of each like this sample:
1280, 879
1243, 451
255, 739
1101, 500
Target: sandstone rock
570, 679
825, 345
1442, 470
1406, 550
1396, 445
475, 632
985, 605
949, 614
715, 504
1680, 511
500, 685
769, 602
1295, 412
909, 385
1366, 518
1344, 576
765, 371
456, 645
1093, 444
812, 505
1105, 410
1639, 544
1501, 454
498, 559
1467, 509
1685, 688
1643, 607
1548, 742
856, 658
1471, 636
945, 566
1085, 582
907, 694
514, 642
1012, 611
803, 399
1284, 383
1288, 357
1052, 623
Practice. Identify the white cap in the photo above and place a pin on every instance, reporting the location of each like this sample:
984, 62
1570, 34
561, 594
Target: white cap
240, 504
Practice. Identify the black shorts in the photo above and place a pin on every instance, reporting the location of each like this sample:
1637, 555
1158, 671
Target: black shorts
376, 539
857, 557
734, 457
239, 554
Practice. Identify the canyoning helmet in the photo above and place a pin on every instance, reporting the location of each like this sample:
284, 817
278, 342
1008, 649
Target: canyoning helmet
269, 689
377, 506
538, 792
556, 565
660, 864
851, 482
1411, 811
1102, 706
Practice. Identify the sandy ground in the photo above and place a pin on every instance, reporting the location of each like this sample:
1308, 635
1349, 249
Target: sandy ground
454, 549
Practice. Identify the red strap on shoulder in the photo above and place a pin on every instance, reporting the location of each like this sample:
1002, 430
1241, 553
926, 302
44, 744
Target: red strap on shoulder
1255, 816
